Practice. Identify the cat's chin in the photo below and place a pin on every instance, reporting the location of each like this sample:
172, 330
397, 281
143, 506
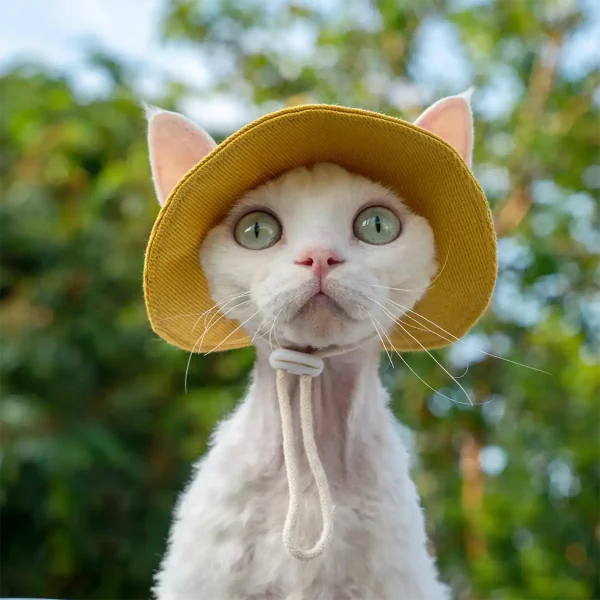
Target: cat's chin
321, 322
320, 307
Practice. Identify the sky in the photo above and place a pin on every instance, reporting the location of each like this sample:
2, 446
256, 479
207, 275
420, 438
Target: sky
59, 33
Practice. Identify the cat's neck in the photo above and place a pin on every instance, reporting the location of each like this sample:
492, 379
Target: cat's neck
345, 383
347, 399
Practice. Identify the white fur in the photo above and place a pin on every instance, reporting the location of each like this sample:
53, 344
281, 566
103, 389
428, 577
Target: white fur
317, 207
226, 541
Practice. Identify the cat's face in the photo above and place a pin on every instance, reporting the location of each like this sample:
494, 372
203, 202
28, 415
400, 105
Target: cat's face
318, 256
337, 245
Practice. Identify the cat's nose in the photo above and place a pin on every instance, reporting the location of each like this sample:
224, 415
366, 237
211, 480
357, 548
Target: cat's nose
320, 261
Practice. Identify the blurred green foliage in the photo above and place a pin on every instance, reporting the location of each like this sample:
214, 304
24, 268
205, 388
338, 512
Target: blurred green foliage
97, 434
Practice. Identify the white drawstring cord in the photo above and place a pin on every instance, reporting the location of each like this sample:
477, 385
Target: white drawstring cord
306, 366
291, 465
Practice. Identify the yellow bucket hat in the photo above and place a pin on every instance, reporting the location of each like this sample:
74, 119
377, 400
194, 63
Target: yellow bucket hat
420, 167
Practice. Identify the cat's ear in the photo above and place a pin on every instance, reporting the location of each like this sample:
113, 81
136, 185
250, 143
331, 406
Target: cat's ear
175, 145
452, 120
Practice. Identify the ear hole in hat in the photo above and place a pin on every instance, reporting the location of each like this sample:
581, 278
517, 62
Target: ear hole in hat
175, 145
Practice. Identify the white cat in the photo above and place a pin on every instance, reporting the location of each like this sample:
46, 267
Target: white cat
310, 259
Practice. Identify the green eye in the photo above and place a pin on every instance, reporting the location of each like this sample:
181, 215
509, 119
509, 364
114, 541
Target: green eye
257, 230
377, 225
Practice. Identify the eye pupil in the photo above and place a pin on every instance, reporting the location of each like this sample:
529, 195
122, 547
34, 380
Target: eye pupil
257, 230
377, 225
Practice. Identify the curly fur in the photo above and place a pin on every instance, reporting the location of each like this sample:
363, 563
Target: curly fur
226, 540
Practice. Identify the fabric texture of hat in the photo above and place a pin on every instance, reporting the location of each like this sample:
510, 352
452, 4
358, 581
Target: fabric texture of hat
425, 171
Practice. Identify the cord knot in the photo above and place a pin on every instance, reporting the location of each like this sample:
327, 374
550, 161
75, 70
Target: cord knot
296, 363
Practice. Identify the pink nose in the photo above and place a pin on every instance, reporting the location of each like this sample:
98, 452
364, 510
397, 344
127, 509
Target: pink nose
320, 261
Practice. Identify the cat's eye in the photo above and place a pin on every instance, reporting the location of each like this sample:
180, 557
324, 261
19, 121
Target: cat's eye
257, 230
377, 225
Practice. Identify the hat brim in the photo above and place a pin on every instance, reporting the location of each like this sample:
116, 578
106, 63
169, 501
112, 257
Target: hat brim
421, 168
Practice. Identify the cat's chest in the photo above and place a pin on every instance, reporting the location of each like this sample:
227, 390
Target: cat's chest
238, 501
358, 530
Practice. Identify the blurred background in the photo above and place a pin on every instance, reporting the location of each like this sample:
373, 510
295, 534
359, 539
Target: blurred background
98, 436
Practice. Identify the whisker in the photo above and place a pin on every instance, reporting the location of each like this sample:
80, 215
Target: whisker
187, 367
219, 308
461, 376
205, 315
442, 269
385, 287
415, 373
211, 324
409, 367
377, 331
395, 319
414, 327
184, 315
428, 287
262, 323
437, 362
456, 339
200, 340
212, 321
273, 327
195, 314
276, 338
229, 335
264, 335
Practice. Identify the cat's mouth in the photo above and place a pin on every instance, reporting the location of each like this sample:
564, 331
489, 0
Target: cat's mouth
320, 305
321, 299
319, 316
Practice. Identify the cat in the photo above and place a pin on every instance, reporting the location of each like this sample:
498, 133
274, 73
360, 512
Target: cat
318, 277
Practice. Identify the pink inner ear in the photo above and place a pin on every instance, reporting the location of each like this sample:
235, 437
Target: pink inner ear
176, 145
451, 119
